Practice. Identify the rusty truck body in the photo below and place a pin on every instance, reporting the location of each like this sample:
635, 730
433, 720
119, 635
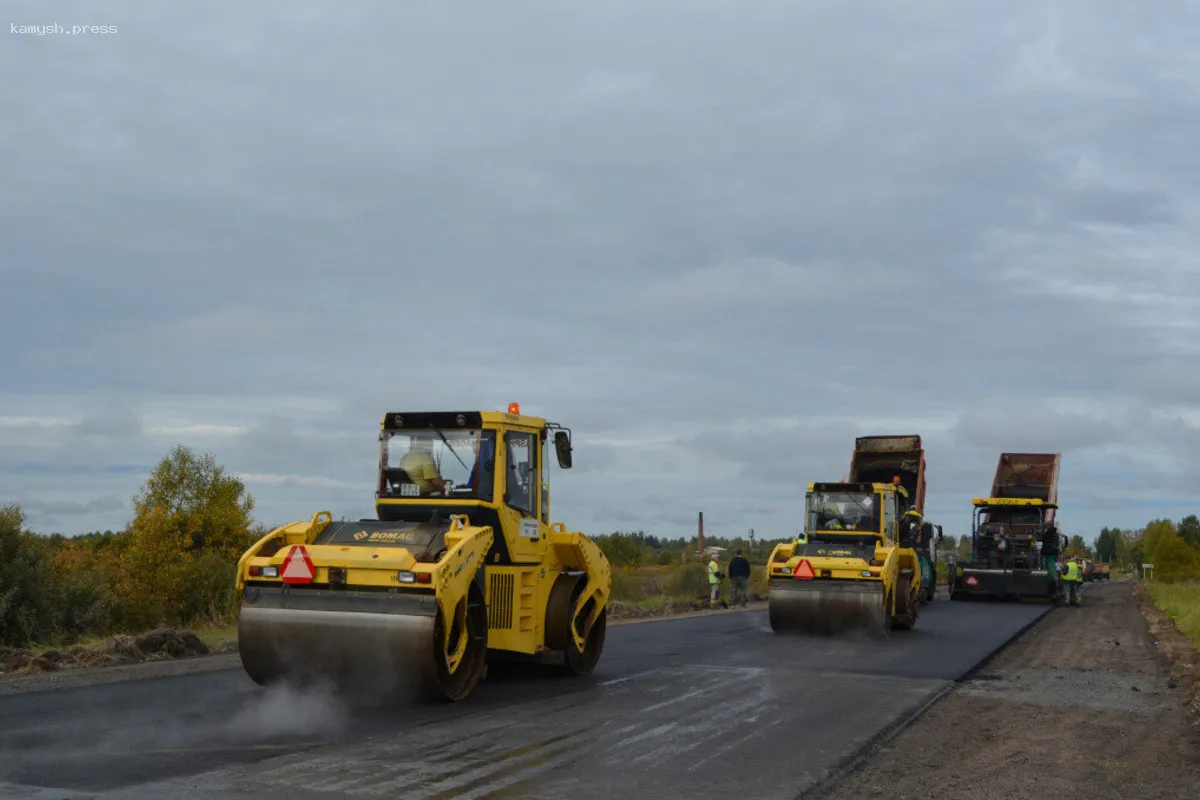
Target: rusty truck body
880, 459
901, 459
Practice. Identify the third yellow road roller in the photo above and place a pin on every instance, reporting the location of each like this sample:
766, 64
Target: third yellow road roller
461, 567
852, 569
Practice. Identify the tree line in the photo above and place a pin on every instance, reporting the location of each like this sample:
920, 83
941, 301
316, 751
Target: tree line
175, 562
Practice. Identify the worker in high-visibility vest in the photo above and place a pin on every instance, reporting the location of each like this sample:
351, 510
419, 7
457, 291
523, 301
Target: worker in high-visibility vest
714, 582
1073, 579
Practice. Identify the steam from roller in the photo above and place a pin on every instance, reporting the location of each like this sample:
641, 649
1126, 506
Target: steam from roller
828, 609
287, 710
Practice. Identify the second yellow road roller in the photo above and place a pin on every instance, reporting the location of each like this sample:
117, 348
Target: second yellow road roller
461, 567
852, 570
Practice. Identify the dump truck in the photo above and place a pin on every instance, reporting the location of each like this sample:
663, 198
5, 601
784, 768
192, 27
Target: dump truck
901, 460
461, 567
1015, 541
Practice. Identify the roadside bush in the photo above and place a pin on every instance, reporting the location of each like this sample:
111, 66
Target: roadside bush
209, 595
175, 564
26, 591
689, 581
626, 584
1174, 560
85, 579
758, 581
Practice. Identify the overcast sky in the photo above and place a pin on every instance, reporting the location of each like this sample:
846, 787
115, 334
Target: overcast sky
718, 240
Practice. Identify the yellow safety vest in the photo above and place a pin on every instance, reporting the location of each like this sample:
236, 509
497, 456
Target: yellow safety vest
1072, 571
712, 572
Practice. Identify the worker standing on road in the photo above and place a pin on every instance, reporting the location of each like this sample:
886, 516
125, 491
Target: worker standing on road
714, 581
1073, 579
739, 579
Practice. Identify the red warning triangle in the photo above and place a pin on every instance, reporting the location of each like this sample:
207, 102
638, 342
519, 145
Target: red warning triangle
804, 570
298, 567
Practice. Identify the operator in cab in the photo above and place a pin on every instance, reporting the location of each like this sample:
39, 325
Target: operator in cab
418, 463
832, 516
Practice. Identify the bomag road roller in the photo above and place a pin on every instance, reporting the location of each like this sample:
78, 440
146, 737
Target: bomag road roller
855, 569
461, 567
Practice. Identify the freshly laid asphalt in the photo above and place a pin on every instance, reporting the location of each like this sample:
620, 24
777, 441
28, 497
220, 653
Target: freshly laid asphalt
710, 706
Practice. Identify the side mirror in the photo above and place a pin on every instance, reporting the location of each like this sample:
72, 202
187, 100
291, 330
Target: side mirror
939, 533
562, 447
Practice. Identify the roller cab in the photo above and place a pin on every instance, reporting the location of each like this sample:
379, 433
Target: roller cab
461, 566
852, 569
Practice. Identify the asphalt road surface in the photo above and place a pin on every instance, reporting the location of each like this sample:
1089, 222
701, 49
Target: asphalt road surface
709, 706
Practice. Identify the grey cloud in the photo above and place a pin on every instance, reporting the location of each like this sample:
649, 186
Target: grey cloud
755, 282
273, 444
790, 455
609, 225
1164, 380
621, 516
592, 459
98, 505
120, 424
1034, 430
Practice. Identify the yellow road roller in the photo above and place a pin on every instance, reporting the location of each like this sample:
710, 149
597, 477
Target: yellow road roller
852, 569
462, 567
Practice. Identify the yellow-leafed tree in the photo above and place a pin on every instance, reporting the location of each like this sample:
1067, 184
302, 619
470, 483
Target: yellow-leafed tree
191, 522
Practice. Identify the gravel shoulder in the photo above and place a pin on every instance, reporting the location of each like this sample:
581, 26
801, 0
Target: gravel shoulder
1091, 702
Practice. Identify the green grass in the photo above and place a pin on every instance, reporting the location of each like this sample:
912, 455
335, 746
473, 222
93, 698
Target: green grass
1180, 602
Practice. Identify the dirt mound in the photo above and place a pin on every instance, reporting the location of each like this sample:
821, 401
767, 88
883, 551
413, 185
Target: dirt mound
161, 643
168, 642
